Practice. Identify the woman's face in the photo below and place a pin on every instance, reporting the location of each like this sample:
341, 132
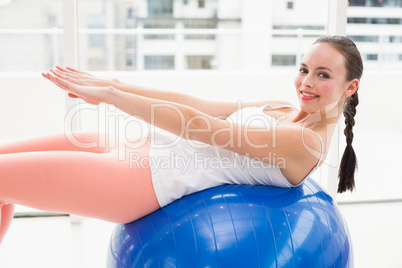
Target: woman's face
321, 81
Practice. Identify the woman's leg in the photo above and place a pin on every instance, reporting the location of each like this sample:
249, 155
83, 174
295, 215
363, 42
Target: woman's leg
105, 186
88, 142
6, 215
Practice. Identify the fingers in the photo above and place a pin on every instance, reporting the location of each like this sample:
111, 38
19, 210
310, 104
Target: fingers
79, 91
69, 77
52, 79
60, 82
64, 83
72, 89
61, 68
72, 70
65, 73
45, 75
68, 70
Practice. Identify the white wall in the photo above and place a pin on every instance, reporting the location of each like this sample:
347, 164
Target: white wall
29, 106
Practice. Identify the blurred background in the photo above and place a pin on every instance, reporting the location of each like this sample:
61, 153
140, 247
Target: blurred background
216, 49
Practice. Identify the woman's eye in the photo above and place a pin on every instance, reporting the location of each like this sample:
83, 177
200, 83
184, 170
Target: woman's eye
323, 75
303, 71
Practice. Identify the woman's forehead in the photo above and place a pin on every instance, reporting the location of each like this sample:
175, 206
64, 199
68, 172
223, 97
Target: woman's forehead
324, 55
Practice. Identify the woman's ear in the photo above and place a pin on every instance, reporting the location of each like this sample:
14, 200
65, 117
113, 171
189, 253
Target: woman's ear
352, 87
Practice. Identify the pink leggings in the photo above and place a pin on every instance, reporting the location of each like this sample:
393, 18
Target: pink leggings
53, 174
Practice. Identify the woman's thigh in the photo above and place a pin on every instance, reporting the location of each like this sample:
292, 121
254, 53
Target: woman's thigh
107, 186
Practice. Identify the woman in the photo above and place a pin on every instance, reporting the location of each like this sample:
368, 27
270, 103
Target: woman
211, 143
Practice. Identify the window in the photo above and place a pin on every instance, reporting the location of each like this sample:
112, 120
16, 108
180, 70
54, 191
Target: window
200, 24
131, 60
199, 62
96, 21
289, 5
376, 3
395, 39
131, 17
364, 38
185, 2
391, 57
393, 3
360, 3
375, 20
371, 57
130, 12
160, 7
357, 20
201, 3
159, 25
36, 51
283, 60
295, 27
158, 62
131, 42
394, 21
96, 63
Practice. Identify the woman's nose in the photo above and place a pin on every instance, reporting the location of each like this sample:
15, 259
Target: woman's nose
307, 81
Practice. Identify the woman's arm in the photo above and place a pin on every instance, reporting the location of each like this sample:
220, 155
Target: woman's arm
220, 109
213, 108
272, 144
295, 149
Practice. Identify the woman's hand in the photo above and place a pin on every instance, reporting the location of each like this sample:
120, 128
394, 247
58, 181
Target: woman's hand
90, 94
80, 78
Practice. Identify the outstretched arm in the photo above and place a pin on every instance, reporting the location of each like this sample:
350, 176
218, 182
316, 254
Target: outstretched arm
220, 109
266, 144
213, 108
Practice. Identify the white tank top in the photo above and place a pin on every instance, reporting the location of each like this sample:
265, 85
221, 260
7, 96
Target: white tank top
180, 167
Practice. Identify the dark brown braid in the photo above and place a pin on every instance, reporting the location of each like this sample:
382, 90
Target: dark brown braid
354, 69
349, 161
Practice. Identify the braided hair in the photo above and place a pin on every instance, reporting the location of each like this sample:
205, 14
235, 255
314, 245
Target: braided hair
354, 69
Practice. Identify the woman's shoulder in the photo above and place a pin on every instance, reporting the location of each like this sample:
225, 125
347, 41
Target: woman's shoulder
302, 148
306, 138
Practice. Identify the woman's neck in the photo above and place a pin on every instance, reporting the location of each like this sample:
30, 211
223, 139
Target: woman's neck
323, 122
321, 118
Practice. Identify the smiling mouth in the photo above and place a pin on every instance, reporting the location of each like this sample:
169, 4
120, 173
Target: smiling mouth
308, 94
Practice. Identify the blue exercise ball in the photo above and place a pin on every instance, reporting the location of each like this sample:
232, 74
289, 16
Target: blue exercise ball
238, 226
